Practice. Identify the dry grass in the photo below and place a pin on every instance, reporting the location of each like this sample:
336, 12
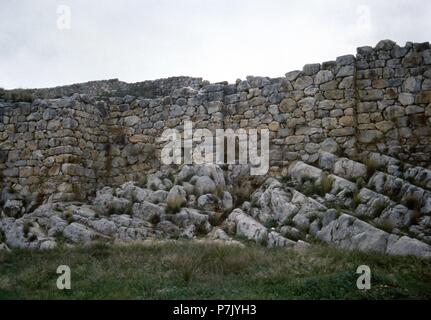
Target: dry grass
174, 205
412, 203
372, 167
17, 95
242, 193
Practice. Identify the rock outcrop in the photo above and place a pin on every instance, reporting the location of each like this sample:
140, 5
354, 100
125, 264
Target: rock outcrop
350, 145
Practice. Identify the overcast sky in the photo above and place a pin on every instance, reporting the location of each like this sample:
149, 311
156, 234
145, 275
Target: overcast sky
136, 40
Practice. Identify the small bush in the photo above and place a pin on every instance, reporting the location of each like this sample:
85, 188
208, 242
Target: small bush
313, 216
372, 167
171, 177
385, 225
326, 183
18, 95
412, 203
255, 203
219, 191
289, 181
356, 199
288, 222
320, 187
129, 209
360, 183
380, 207
26, 228
416, 215
241, 193
271, 223
174, 205
68, 215
142, 181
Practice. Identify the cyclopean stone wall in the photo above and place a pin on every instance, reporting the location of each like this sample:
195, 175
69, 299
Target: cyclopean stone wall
393, 105
66, 148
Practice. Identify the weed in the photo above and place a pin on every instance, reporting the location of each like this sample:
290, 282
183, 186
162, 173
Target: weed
26, 228
356, 199
372, 167
241, 193
271, 223
68, 215
412, 203
379, 208
174, 205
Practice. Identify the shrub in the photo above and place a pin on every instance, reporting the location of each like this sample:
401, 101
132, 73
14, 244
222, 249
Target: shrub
174, 205
412, 203
68, 215
142, 181
219, 191
326, 183
360, 183
26, 228
288, 222
111, 210
416, 215
18, 95
313, 216
129, 209
380, 207
271, 223
320, 187
289, 181
255, 203
385, 225
402, 166
372, 167
241, 193
356, 199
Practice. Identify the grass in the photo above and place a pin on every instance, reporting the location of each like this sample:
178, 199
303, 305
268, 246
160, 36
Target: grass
372, 167
187, 270
241, 193
17, 95
320, 187
326, 182
174, 204
356, 199
412, 203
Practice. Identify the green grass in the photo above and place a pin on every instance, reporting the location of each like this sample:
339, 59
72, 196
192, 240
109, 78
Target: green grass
199, 271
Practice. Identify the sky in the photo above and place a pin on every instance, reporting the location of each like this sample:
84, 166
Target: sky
48, 43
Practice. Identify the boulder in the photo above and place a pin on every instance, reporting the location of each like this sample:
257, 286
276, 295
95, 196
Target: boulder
187, 217
247, 227
78, 233
350, 169
177, 196
203, 185
147, 211
13, 208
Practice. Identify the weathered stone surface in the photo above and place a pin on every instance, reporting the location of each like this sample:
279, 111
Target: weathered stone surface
70, 143
323, 76
349, 169
78, 233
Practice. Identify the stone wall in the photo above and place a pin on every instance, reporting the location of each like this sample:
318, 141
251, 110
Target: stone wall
66, 148
393, 85
114, 87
